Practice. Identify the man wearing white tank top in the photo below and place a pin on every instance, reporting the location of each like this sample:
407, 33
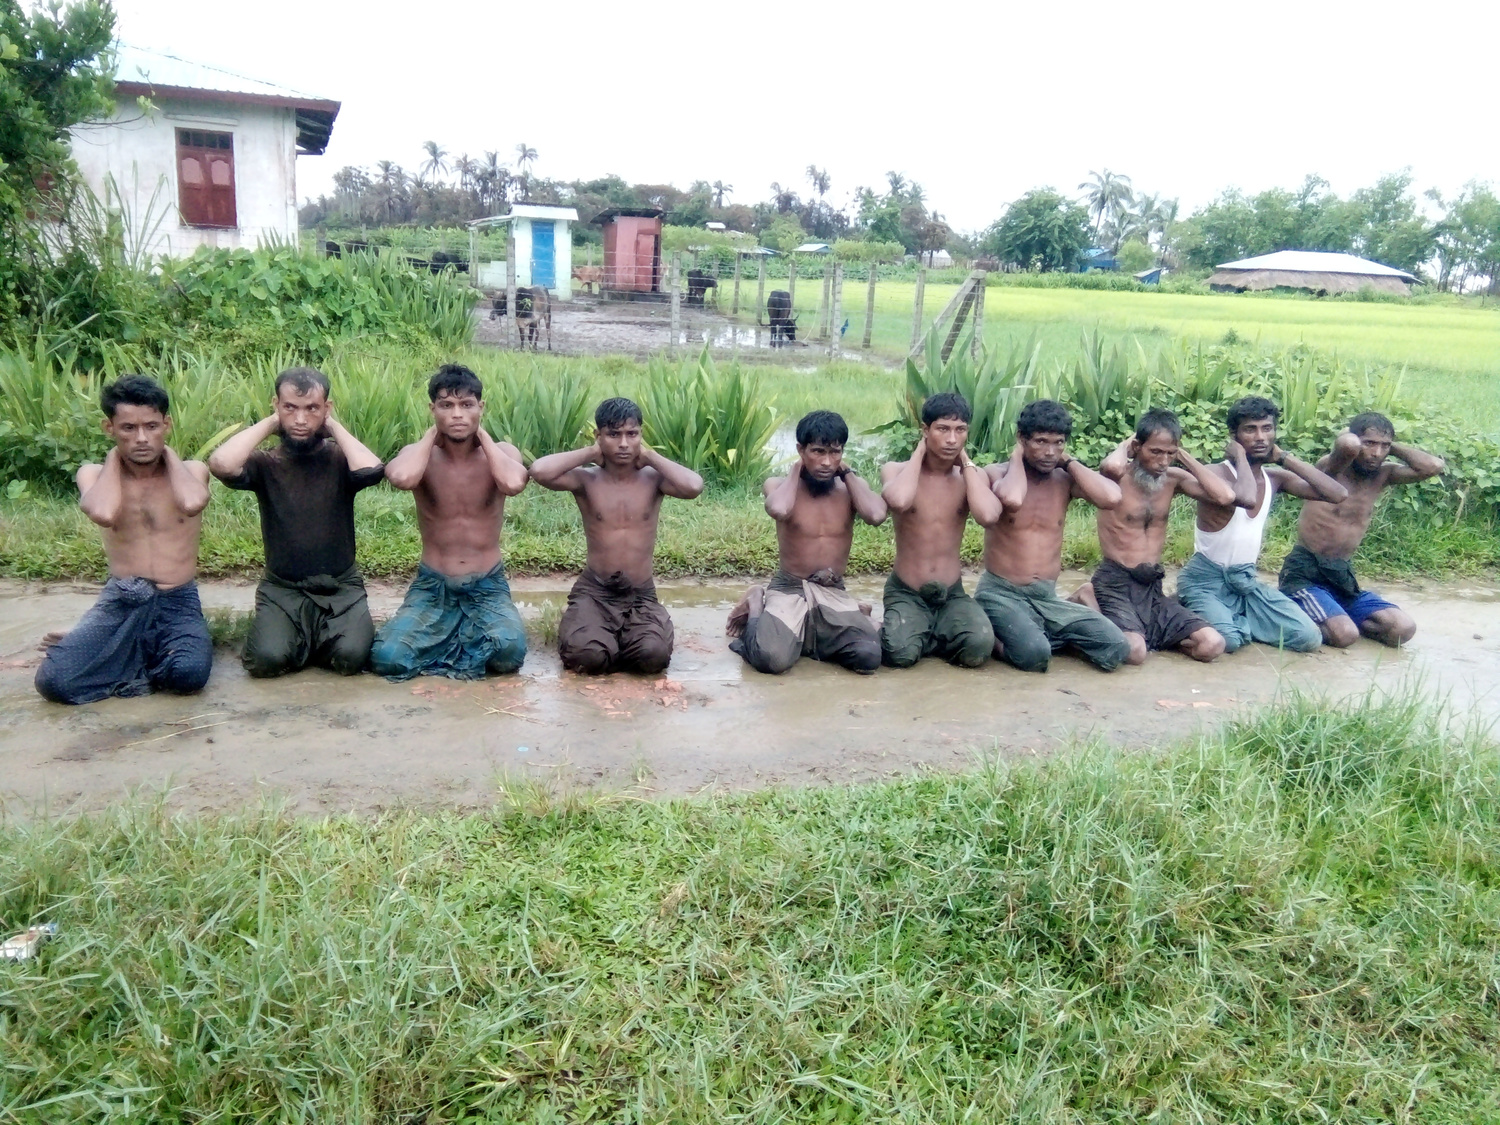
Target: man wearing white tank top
1219, 582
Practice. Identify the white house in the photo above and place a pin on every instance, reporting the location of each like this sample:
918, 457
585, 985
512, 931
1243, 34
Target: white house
217, 150
544, 248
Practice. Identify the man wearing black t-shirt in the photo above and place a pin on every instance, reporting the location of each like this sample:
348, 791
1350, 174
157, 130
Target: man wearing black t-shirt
310, 608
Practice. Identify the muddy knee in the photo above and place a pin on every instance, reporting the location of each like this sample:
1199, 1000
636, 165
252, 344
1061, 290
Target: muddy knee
508, 656
1029, 654
52, 684
187, 672
1340, 632
589, 658
1136, 652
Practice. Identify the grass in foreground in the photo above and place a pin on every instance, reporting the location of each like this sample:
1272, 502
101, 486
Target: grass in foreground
723, 534
1292, 921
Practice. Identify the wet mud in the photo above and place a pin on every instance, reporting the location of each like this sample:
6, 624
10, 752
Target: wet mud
323, 743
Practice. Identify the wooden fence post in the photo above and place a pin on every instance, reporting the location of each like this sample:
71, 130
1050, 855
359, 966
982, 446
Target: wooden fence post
735, 307
835, 311
823, 306
791, 283
676, 297
510, 282
978, 316
760, 297
916, 318
870, 305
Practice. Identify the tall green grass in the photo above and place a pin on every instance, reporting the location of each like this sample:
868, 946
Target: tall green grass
1291, 921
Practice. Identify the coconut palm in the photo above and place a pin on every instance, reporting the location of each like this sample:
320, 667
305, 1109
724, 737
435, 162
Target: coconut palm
720, 190
820, 179
437, 159
784, 198
1107, 195
525, 157
465, 167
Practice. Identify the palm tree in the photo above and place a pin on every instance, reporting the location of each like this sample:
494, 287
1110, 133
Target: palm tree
1107, 195
437, 159
897, 182
525, 157
820, 179
784, 198
720, 190
465, 167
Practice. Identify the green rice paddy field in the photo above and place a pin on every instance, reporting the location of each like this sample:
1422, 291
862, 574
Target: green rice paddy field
1451, 350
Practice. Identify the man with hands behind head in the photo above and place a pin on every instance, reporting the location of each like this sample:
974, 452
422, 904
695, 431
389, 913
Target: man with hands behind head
458, 619
310, 608
1316, 574
1219, 582
613, 621
931, 496
1023, 550
1150, 467
806, 610
146, 632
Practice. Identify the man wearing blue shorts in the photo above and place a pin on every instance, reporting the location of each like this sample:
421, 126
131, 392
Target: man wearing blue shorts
1317, 574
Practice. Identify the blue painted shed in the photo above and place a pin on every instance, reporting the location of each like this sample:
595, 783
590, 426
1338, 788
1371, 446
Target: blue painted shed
544, 247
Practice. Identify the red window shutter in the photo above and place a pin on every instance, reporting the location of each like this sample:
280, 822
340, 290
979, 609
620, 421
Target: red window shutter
205, 178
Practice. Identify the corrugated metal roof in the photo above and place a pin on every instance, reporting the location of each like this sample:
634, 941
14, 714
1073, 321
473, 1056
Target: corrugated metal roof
143, 71
814, 248
157, 68
1316, 261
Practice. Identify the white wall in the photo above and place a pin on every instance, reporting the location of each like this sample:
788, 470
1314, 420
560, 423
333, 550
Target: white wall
140, 151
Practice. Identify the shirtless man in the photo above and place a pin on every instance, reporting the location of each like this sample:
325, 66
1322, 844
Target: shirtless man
1127, 586
1219, 583
310, 608
457, 619
146, 632
806, 609
1317, 575
931, 496
1023, 550
613, 621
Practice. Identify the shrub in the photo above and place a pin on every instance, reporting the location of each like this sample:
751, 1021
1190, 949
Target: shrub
718, 423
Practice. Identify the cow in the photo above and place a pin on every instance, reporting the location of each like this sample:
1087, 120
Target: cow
533, 310
497, 307
592, 276
698, 285
783, 320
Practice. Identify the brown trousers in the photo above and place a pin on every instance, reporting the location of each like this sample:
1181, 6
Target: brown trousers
612, 625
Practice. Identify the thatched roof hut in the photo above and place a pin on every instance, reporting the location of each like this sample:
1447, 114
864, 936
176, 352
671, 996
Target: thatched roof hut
1311, 269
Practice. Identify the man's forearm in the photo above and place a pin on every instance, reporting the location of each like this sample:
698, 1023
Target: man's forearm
783, 498
681, 481
408, 467
356, 455
547, 471
867, 502
508, 472
230, 458
189, 493
1324, 485
101, 503
1098, 490
1419, 460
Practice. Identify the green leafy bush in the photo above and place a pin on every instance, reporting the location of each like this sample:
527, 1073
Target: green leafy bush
536, 412
1108, 388
716, 422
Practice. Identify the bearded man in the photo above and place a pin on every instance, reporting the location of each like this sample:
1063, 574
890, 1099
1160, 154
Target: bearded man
1150, 467
310, 607
805, 611
1317, 575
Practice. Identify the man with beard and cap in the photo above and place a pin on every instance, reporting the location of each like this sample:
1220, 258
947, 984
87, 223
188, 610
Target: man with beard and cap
1317, 574
1127, 586
614, 622
146, 632
457, 619
310, 607
1023, 550
1219, 582
805, 610
931, 496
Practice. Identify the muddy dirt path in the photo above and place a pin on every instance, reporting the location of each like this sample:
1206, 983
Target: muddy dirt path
326, 744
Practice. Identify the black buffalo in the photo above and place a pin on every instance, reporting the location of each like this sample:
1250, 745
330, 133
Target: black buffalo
783, 320
698, 285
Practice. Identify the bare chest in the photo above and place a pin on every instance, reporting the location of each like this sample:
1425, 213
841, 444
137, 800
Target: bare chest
148, 507
822, 517
611, 504
459, 489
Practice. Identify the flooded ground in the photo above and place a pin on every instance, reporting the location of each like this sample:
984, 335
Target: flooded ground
590, 326
328, 744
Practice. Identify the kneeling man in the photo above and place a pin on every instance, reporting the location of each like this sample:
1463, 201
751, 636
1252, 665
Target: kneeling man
1317, 575
146, 632
1023, 551
457, 619
806, 610
613, 622
1127, 586
931, 496
310, 608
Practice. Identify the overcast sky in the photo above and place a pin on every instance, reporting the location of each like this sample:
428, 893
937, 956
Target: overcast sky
977, 101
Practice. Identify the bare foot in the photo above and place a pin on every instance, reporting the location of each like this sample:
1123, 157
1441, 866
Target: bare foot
48, 640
